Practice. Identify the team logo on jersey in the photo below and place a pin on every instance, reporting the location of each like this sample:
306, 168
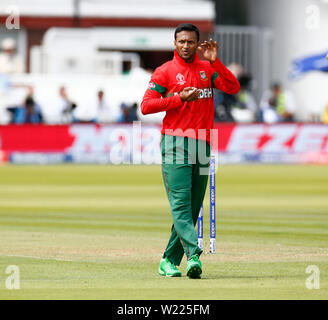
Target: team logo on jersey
180, 78
203, 76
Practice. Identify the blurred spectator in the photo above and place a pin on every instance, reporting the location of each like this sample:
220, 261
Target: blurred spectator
100, 101
223, 103
10, 61
325, 115
128, 113
237, 69
277, 105
241, 107
30, 112
65, 106
133, 113
26, 113
92, 110
103, 108
244, 107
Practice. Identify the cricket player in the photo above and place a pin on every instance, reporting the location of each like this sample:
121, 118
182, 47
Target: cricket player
183, 88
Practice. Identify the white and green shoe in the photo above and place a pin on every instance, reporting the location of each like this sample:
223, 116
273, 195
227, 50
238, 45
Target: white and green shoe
194, 267
168, 269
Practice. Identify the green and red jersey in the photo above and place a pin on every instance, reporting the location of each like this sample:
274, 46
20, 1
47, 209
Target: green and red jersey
175, 75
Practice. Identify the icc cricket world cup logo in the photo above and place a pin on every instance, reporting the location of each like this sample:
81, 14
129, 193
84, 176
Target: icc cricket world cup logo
180, 79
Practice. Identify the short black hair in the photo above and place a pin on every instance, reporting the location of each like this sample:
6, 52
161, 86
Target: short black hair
29, 101
245, 80
186, 27
275, 85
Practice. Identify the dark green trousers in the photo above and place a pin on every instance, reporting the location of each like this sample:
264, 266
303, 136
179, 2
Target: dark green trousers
185, 168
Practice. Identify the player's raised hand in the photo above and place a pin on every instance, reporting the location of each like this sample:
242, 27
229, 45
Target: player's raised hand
209, 50
190, 94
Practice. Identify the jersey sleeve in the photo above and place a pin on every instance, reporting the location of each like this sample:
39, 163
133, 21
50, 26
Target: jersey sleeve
154, 99
223, 79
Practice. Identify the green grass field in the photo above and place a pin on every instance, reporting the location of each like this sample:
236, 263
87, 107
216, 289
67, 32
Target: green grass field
98, 232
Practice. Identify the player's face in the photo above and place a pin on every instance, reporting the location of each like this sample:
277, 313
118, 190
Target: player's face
186, 44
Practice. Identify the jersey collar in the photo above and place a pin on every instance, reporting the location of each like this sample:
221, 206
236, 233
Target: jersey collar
183, 62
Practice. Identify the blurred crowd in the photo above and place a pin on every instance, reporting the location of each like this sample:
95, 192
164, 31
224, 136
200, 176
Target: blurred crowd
65, 110
276, 104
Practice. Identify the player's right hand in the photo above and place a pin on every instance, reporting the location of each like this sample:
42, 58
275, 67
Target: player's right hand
190, 94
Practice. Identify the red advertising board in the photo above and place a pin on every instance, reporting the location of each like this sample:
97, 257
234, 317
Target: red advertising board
115, 143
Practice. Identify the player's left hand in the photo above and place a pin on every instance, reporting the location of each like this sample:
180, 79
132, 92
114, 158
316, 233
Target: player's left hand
209, 50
